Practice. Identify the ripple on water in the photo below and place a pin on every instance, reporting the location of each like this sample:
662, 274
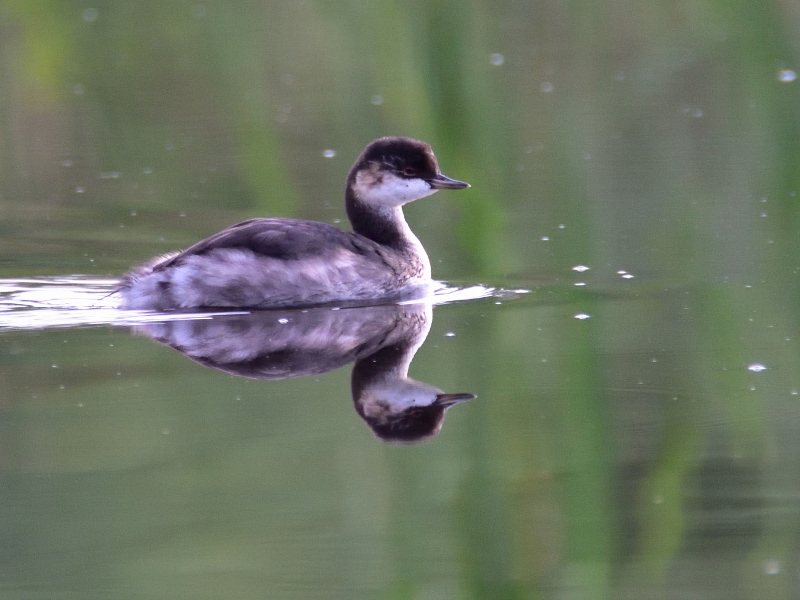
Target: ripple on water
49, 302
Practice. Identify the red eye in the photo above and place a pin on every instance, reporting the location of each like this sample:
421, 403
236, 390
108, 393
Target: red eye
409, 171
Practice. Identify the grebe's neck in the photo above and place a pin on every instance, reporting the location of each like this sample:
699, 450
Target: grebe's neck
386, 225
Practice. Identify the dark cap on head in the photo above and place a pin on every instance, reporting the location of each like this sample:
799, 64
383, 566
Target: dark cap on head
405, 156
416, 423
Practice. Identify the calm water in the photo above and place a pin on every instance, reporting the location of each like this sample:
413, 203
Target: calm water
623, 298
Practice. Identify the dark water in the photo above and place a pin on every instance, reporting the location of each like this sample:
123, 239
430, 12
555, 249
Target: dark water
637, 423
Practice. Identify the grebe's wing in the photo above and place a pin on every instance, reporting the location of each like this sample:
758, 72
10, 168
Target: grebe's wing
284, 239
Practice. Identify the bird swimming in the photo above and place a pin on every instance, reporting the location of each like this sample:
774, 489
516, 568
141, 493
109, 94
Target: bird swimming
283, 263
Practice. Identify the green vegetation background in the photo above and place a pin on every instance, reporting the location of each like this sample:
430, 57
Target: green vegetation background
630, 455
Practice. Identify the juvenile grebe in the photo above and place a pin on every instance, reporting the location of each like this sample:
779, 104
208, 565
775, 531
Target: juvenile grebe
274, 262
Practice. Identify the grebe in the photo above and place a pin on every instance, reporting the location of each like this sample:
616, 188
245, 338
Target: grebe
380, 339
276, 262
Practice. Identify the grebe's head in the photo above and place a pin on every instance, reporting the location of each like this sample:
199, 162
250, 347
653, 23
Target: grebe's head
405, 410
395, 170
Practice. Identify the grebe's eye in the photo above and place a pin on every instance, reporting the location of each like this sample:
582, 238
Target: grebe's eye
409, 171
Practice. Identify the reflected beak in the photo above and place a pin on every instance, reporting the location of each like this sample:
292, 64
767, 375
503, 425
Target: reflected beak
448, 400
441, 182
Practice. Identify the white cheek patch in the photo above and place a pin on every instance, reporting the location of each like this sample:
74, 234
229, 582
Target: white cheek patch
388, 189
395, 396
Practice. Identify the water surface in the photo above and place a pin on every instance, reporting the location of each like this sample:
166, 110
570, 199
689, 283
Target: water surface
633, 167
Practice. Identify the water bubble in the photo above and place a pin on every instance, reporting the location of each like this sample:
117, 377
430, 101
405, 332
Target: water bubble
697, 113
658, 499
786, 75
450, 334
66, 163
329, 153
579, 283
621, 272
545, 238
79, 190
147, 170
90, 14
546, 87
497, 59
772, 566
756, 367
377, 100
283, 321
627, 276
580, 268
561, 226
134, 213
582, 316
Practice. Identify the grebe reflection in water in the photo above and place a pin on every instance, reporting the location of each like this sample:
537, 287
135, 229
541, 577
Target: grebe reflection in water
382, 340
277, 262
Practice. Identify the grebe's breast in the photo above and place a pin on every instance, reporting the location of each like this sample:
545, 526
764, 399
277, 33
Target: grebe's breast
272, 262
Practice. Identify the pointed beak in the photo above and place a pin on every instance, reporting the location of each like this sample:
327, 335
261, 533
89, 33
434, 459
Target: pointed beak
448, 400
441, 182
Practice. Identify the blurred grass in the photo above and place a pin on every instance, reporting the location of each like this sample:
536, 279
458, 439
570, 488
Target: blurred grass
652, 138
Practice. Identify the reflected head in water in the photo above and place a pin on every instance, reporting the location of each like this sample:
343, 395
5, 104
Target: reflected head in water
382, 340
397, 408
